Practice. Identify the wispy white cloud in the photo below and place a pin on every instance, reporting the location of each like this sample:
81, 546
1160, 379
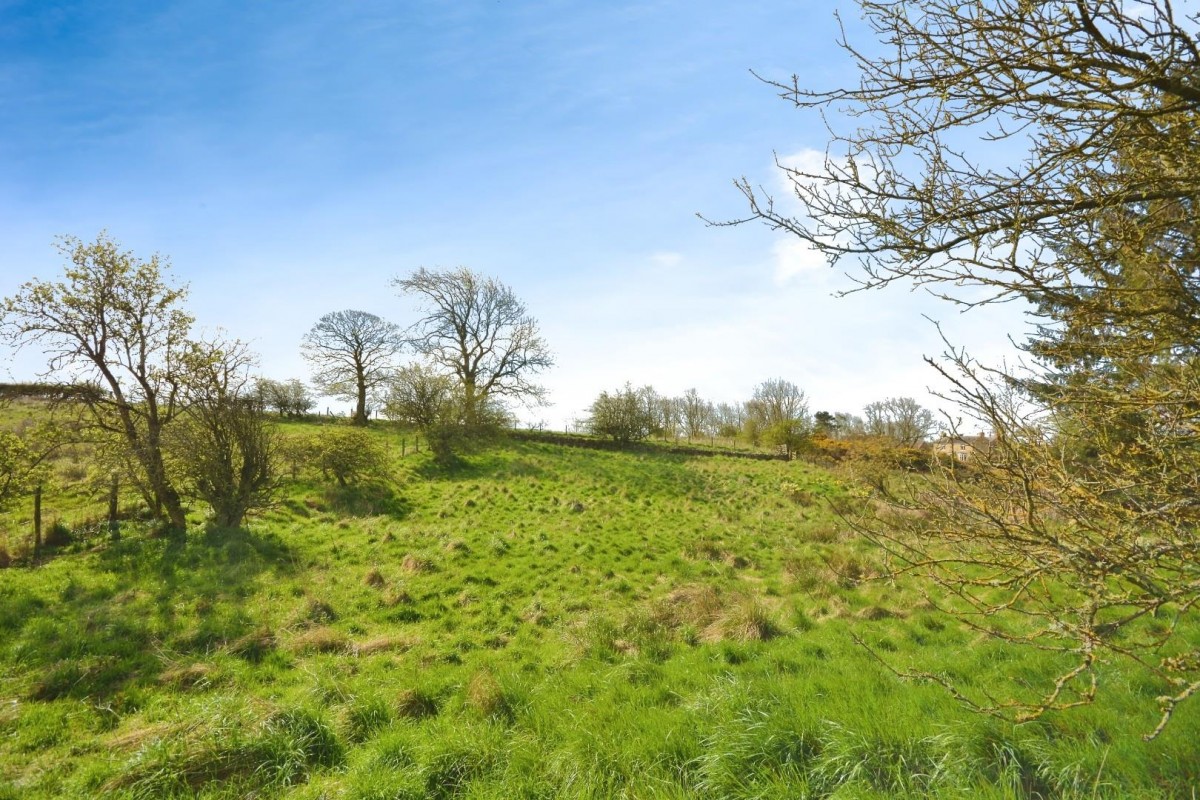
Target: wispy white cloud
805, 160
794, 257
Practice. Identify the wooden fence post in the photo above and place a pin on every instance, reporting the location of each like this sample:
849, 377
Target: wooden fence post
37, 523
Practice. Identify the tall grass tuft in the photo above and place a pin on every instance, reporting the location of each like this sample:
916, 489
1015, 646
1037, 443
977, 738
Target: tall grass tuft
485, 696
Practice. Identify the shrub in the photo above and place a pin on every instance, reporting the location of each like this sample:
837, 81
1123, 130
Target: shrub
626, 415
348, 455
862, 450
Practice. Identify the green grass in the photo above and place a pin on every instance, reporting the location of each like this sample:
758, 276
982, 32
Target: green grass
538, 621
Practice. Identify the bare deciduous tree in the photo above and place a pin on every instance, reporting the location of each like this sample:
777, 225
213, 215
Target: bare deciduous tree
1083, 522
476, 329
778, 414
900, 418
697, 414
777, 401
353, 353
730, 417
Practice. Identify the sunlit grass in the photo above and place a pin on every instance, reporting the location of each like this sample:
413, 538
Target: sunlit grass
538, 621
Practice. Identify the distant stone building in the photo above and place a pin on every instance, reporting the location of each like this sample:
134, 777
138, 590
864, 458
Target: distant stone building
962, 448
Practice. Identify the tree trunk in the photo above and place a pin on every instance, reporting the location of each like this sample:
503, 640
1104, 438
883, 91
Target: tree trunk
114, 527
167, 500
173, 505
360, 406
470, 404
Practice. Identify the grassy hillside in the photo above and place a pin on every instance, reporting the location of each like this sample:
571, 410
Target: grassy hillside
541, 621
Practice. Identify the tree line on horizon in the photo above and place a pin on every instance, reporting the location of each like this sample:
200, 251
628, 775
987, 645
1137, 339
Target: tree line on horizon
777, 414
183, 417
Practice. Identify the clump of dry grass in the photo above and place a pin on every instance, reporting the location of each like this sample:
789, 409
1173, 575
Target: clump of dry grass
704, 551
848, 570
735, 561
382, 644
415, 704
415, 564
398, 597
316, 612
746, 621
824, 533
535, 614
485, 695
625, 647
254, 645
697, 606
136, 737
374, 578
876, 612
190, 676
321, 639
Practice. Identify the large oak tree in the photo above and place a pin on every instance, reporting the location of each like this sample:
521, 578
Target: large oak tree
353, 354
476, 329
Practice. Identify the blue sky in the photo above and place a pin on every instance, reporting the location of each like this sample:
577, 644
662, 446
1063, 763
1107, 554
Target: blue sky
292, 158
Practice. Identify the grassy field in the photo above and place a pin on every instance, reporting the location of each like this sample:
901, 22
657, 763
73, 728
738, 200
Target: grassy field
537, 622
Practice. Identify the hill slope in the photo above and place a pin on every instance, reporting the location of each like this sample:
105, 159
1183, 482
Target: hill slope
541, 621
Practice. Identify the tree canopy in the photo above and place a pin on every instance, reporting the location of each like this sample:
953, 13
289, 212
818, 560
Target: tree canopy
353, 354
1082, 520
115, 322
115, 326
476, 329
900, 418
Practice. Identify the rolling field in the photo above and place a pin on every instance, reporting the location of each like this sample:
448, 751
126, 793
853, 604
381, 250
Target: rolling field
537, 622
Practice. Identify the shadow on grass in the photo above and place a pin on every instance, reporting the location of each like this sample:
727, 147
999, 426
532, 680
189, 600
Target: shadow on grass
471, 466
366, 500
147, 602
